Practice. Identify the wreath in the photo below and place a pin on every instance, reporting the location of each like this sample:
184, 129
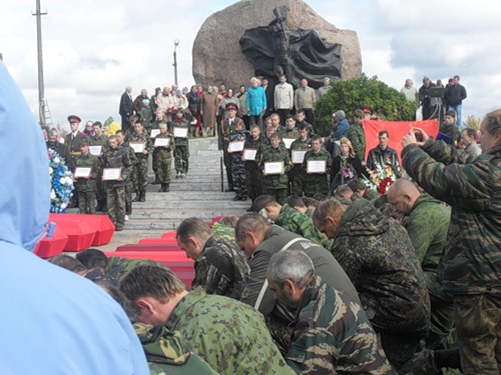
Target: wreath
61, 179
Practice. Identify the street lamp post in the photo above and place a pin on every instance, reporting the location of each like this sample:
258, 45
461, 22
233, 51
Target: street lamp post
176, 43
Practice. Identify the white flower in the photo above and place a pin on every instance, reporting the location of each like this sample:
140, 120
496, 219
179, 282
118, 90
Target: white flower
50, 171
62, 180
52, 194
64, 205
57, 160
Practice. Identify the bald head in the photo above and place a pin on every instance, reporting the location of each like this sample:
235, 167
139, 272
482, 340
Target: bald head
403, 195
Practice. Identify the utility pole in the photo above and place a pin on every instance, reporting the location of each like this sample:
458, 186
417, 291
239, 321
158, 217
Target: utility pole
41, 94
176, 43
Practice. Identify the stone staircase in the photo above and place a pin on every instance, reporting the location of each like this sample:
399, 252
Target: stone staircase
197, 195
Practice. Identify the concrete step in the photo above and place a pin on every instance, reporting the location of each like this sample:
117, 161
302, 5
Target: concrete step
190, 204
188, 196
183, 213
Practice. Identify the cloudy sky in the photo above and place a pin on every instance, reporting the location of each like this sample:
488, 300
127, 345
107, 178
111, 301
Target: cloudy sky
93, 49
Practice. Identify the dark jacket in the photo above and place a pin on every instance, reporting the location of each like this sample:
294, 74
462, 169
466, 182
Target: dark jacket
337, 177
381, 157
471, 263
125, 108
455, 94
74, 143
64, 152
194, 103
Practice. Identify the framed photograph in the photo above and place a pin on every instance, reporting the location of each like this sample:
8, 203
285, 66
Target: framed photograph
138, 147
179, 132
288, 142
82, 172
154, 133
236, 146
96, 150
276, 167
111, 174
297, 156
162, 142
249, 154
316, 166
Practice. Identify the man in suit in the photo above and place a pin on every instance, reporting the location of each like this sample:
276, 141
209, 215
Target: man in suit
126, 108
269, 92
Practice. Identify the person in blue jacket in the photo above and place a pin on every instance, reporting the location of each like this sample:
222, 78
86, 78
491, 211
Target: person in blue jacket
255, 102
51, 321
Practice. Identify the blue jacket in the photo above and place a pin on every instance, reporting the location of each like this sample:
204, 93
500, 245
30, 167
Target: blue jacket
342, 130
52, 321
256, 100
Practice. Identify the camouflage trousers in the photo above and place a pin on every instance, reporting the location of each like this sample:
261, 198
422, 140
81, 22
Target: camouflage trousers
478, 325
141, 174
129, 189
399, 348
163, 163
181, 157
116, 204
101, 190
442, 320
154, 166
279, 194
227, 163
87, 202
296, 177
253, 182
315, 184
238, 175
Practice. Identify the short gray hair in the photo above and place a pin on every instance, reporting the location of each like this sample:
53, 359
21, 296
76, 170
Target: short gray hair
291, 264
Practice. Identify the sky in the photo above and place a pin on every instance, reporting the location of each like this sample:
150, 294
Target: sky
93, 49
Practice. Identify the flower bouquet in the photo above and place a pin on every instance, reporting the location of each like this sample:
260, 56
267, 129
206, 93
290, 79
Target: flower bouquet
61, 182
380, 179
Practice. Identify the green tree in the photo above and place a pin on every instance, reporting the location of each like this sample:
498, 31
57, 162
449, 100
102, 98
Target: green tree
352, 94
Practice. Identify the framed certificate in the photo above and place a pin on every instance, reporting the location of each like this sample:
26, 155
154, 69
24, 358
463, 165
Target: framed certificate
180, 132
276, 167
162, 142
154, 133
249, 154
236, 146
316, 166
288, 142
82, 172
297, 156
137, 146
95, 150
111, 174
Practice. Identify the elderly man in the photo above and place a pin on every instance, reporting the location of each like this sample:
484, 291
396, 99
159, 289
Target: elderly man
471, 266
229, 335
326, 87
260, 240
472, 150
331, 333
378, 257
411, 93
427, 222
220, 266
126, 108
305, 99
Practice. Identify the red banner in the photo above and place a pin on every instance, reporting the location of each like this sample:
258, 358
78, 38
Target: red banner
396, 130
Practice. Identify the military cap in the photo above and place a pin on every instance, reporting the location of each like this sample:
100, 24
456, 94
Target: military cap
231, 106
73, 118
367, 109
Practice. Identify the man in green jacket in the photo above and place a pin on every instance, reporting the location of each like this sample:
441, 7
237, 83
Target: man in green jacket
316, 180
471, 266
229, 335
356, 135
86, 185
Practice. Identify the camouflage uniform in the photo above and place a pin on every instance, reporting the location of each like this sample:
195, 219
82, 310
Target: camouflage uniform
291, 134
356, 135
129, 183
116, 267
450, 131
223, 142
87, 187
115, 190
296, 174
221, 269
146, 115
141, 165
166, 353
427, 225
316, 183
311, 131
234, 340
101, 140
237, 167
221, 231
156, 125
470, 268
252, 172
275, 185
163, 159
182, 150
333, 335
296, 222
378, 256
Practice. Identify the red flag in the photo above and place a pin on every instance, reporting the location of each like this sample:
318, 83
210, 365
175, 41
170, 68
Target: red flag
396, 130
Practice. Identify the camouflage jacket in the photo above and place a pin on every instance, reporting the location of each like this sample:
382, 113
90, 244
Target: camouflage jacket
333, 335
221, 269
378, 256
299, 144
356, 135
296, 222
87, 184
472, 261
427, 225
99, 140
292, 134
180, 124
142, 137
116, 267
312, 156
450, 131
166, 354
164, 152
221, 231
231, 336
270, 154
117, 158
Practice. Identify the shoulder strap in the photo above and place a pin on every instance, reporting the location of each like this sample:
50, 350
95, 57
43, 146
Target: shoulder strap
264, 288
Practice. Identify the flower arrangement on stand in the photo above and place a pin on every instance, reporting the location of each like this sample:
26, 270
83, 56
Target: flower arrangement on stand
381, 178
110, 127
61, 183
